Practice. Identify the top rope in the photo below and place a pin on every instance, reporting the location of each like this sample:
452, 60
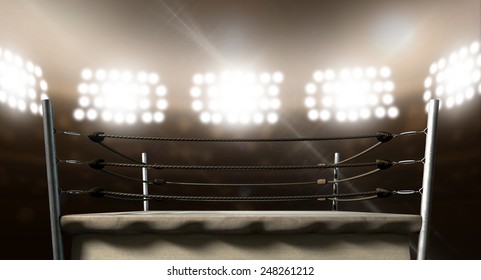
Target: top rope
100, 136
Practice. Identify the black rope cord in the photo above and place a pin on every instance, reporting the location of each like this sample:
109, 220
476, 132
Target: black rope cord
362, 152
137, 161
100, 192
100, 163
200, 184
204, 184
118, 153
100, 136
381, 164
381, 136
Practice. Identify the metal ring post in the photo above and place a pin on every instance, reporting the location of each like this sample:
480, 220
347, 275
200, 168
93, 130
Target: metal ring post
335, 186
428, 179
52, 179
145, 184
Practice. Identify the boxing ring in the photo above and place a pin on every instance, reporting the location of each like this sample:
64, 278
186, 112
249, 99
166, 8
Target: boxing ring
153, 234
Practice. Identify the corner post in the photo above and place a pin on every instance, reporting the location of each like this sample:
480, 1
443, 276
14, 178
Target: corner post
52, 179
428, 179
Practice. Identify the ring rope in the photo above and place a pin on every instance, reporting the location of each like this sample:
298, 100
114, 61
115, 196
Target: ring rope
238, 167
100, 164
179, 139
362, 152
99, 192
381, 136
200, 184
118, 153
137, 161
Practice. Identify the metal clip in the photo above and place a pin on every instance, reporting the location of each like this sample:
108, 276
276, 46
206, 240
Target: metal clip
408, 133
71, 133
408, 192
72, 161
74, 192
408, 161
405, 192
353, 199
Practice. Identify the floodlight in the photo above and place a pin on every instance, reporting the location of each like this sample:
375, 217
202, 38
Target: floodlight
350, 95
237, 97
455, 79
120, 96
21, 84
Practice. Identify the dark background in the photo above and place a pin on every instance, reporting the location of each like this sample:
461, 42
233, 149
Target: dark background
180, 38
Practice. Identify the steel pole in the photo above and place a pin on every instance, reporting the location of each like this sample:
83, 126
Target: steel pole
145, 184
335, 186
52, 179
428, 173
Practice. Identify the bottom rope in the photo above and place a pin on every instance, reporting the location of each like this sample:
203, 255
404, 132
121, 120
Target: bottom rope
99, 193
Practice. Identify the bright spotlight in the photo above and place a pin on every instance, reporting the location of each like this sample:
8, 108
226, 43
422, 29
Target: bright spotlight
350, 95
237, 97
120, 97
21, 84
455, 79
